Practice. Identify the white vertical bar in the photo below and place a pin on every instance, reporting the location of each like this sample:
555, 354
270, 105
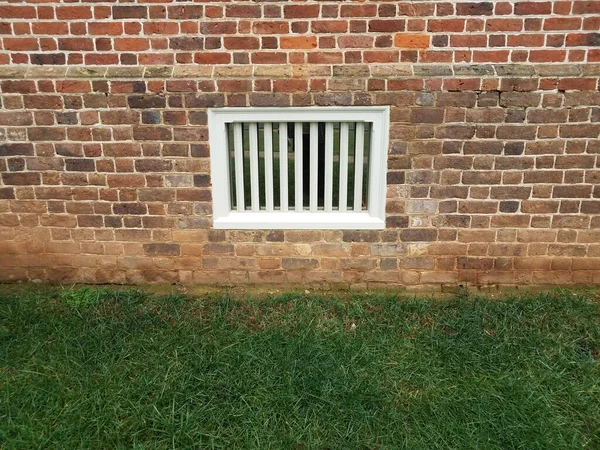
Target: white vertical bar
358, 165
343, 166
314, 166
328, 166
298, 164
283, 166
239, 166
268, 138
254, 191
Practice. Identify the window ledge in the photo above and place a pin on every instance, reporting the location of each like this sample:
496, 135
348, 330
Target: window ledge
305, 220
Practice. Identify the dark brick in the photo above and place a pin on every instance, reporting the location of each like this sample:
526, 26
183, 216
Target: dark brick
396, 222
48, 59
16, 164
275, 236
201, 180
488, 99
147, 101
395, 177
590, 207
80, 165
515, 116
153, 165
113, 221
90, 221
130, 12
186, 43
514, 148
7, 193
475, 9
299, 263
162, 249
130, 208
21, 178
440, 41
509, 207
151, 117
152, 134
451, 147
427, 115
16, 149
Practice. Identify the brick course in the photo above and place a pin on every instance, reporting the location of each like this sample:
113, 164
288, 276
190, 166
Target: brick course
493, 166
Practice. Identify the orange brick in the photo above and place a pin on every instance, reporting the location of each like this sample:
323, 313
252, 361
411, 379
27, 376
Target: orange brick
404, 40
298, 42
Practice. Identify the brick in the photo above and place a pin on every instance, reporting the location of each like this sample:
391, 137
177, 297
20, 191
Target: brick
185, 12
418, 235
16, 149
80, 165
510, 192
532, 8
130, 208
271, 27
73, 12
526, 99
405, 40
146, 101
130, 12
579, 131
583, 39
364, 10
76, 44
21, 178
386, 26
21, 44
243, 11
572, 191
46, 134
241, 43
218, 28
427, 115
149, 133
299, 263
160, 249
475, 9
186, 43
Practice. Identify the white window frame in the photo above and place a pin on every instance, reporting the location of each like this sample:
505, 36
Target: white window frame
224, 217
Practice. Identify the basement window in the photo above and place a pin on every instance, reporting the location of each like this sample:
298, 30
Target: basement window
299, 168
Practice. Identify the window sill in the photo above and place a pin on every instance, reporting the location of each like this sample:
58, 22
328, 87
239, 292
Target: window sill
292, 220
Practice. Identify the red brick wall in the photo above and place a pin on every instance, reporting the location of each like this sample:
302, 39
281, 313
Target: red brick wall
493, 170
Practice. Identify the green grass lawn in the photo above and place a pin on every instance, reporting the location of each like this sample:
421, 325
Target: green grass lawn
123, 369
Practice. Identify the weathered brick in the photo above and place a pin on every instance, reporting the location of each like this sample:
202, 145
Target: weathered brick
299, 263
522, 99
160, 249
16, 149
130, 208
146, 101
21, 178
